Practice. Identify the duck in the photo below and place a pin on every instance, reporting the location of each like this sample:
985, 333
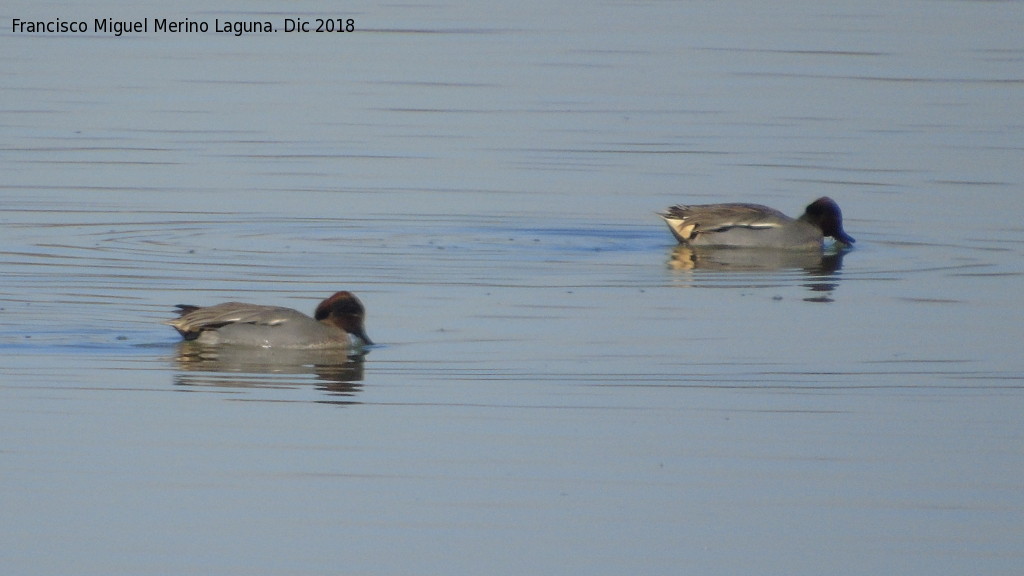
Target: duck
742, 225
336, 320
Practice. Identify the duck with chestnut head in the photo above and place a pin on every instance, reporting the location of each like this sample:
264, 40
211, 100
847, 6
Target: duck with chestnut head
335, 323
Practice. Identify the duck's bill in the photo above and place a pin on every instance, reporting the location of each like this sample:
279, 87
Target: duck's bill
844, 238
363, 338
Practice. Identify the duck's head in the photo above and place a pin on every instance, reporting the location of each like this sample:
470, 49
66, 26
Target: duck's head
345, 311
826, 215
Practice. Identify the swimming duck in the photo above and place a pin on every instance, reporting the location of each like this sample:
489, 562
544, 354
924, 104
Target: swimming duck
740, 225
236, 323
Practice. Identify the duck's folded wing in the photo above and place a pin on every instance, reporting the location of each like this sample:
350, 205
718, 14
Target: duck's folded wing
728, 215
195, 319
688, 221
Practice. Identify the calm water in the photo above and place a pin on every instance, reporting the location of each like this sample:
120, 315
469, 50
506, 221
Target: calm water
558, 388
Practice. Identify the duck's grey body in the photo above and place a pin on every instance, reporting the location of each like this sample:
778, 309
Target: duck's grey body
242, 324
742, 225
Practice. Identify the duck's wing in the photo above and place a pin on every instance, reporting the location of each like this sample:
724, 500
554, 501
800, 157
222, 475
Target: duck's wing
688, 222
195, 319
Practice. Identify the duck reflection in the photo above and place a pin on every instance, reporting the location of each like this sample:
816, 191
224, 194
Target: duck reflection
819, 267
237, 367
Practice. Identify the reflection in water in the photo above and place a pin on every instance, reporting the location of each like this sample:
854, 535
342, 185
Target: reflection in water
819, 267
333, 372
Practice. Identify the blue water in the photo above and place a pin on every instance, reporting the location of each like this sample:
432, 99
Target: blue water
557, 387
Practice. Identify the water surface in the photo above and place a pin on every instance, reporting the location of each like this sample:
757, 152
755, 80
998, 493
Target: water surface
558, 388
